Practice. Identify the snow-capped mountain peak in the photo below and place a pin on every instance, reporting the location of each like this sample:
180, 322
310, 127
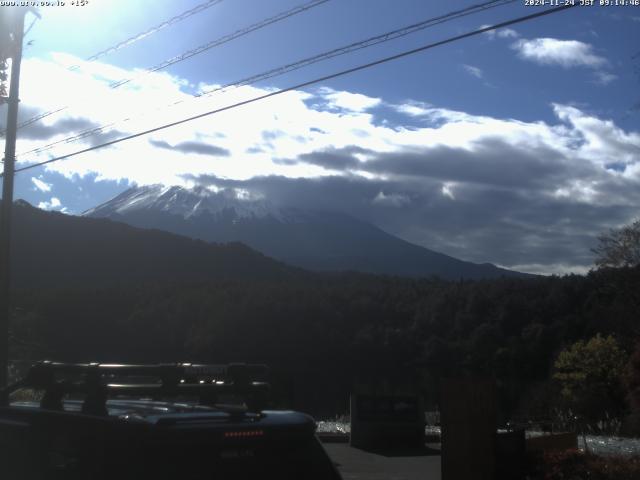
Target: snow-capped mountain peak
188, 202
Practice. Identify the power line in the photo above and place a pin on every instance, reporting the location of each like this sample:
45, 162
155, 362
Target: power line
369, 42
307, 83
232, 36
36, 17
179, 58
173, 20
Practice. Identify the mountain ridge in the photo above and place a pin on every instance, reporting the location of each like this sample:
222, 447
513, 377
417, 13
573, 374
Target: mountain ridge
60, 250
310, 239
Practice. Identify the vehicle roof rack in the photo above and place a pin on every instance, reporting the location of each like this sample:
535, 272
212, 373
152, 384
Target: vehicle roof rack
98, 381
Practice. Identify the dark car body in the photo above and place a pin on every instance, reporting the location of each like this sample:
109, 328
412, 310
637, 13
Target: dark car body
132, 431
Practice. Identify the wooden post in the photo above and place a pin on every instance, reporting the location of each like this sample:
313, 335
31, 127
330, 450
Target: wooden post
468, 419
17, 23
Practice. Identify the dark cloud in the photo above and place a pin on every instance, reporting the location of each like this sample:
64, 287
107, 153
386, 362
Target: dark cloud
334, 158
498, 202
99, 138
193, 147
493, 162
48, 127
508, 225
84, 129
334, 193
40, 131
284, 161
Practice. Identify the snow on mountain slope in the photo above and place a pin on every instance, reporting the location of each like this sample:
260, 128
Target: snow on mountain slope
186, 203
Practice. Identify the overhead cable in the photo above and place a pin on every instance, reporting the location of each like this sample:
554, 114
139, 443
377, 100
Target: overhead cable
173, 20
178, 18
308, 83
369, 42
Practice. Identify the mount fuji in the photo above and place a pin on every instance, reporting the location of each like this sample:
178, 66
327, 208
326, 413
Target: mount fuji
314, 240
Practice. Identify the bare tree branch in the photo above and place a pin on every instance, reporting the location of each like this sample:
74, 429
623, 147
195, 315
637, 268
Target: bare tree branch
619, 247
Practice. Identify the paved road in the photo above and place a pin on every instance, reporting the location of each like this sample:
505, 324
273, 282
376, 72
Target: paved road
356, 464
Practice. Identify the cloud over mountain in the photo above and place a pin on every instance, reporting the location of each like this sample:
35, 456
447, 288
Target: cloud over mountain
192, 147
482, 188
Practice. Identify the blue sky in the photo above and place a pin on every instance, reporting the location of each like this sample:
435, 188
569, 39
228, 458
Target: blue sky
517, 147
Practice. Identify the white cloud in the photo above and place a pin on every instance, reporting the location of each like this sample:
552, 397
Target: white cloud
552, 51
391, 200
473, 71
297, 123
53, 204
447, 190
413, 109
547, 269
354, 102
284, 126
40, 185
604, 78
599, 141
500, 33
507, 33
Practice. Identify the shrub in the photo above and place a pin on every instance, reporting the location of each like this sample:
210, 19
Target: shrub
576, 465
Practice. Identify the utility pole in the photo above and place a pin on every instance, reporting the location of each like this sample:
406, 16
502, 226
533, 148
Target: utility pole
16, 21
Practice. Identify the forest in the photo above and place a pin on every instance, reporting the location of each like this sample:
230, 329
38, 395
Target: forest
325, 335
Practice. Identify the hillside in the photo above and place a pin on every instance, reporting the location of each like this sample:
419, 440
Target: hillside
52, 249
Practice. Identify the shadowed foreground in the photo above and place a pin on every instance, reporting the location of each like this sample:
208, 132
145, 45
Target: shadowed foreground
356, 464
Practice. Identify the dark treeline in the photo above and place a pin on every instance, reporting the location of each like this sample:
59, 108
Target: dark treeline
325, 333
